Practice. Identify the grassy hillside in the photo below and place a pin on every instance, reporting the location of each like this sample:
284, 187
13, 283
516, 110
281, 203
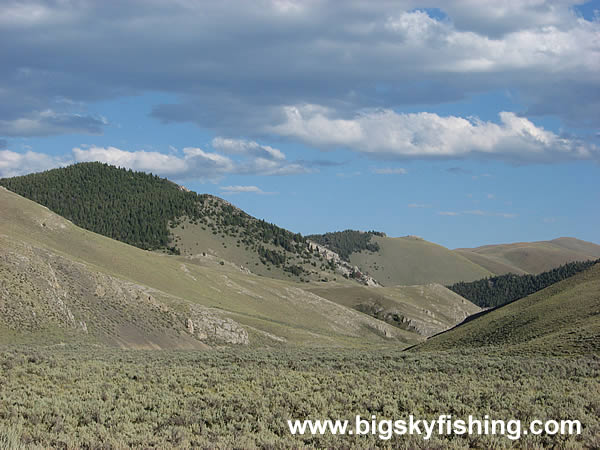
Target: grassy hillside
411, 260
60, 281
156, 214
426, 310
563, 318
531, 257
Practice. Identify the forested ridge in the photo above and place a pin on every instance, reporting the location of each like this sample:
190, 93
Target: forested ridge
344, 243
503, 289
138, 208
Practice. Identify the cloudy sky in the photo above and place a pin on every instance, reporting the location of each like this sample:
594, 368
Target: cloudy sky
466, 122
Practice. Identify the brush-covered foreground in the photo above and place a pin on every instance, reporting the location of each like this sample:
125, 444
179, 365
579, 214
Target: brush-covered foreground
91, 397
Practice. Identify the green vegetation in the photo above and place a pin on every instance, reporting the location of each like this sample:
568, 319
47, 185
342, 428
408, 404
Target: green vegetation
500, 290
132, 207
531, 257
152, 213
89, 397
563, 319
344, 243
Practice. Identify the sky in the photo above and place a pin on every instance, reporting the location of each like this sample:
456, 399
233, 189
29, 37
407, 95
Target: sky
466, 122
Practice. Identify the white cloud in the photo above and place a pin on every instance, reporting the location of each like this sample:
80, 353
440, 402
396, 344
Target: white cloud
418, 205
194, 163
385, 133
13, 163
190, 163
390, 171
244, 147
230, 190
440, 47
448, 213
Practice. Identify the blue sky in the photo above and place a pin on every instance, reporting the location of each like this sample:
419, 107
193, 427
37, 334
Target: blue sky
467, 123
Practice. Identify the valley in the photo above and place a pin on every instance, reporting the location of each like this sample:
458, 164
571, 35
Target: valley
220, 330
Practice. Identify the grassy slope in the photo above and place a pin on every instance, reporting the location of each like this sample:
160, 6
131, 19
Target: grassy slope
409, 261
280, 308
196, 239
425, 309
531, 257
562, 318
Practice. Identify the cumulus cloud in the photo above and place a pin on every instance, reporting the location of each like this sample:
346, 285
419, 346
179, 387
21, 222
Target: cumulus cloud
193, 163
236, 67
230, 190
13, 164
390, 171
386, 133
190, 163
244, 147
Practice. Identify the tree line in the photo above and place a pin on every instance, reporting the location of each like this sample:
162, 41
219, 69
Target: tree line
500, 290
344, 243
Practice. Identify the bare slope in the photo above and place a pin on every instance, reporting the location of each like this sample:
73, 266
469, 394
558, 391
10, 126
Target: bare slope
59, 280
426, 310
412, 260
531, 257
563, 318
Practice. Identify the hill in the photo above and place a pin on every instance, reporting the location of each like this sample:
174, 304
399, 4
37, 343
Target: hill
154, 213
561, 319
60, 282
425, 310
531, 257
503, 289
404, 261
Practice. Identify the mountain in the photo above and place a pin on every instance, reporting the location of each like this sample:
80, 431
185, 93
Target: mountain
531, 257
154, 213
406, 260
561, 319
59, 282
